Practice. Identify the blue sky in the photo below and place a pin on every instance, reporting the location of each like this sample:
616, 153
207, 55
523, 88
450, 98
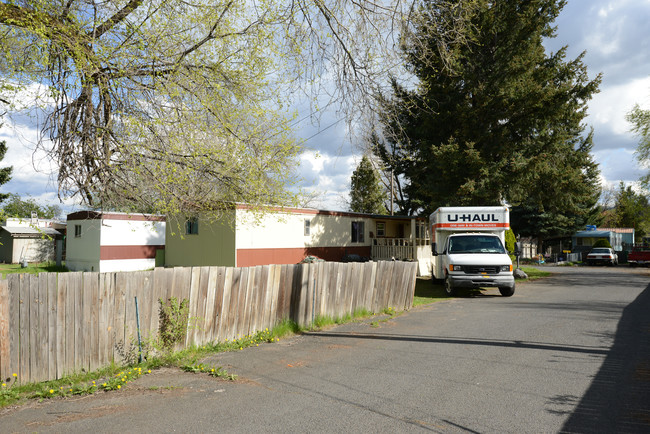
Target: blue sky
613, 33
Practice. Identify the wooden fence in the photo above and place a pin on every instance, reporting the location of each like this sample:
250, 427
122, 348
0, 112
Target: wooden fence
54, 324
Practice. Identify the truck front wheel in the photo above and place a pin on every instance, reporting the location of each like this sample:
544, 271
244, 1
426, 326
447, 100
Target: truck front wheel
506, 291
449, 289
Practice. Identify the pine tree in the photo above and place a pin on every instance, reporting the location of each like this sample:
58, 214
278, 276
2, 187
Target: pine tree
366, 192
494, 120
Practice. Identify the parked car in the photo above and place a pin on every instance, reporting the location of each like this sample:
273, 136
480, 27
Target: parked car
602, 255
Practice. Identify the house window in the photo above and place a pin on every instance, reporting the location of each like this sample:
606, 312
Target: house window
77, 231
192, 226
381, 229
358, 230
307, 227
421, 231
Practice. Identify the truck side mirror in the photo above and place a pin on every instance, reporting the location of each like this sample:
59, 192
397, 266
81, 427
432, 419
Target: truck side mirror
434, 251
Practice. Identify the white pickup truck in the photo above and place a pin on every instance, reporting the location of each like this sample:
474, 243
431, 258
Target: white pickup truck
468, 248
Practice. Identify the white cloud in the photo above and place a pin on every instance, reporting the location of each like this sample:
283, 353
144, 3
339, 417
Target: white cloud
329, 176
608, 108
618, 165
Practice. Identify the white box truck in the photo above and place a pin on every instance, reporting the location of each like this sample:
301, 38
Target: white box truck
468, 247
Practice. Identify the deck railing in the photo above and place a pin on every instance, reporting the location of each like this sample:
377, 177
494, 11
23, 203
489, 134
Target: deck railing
402, 249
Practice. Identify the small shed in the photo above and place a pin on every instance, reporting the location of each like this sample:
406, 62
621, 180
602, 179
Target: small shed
27, 243
582, 241
113, 241
627, 236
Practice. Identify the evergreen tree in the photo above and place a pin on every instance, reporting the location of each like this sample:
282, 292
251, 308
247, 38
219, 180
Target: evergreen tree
366, 192
494, 120
632, 211
5, 172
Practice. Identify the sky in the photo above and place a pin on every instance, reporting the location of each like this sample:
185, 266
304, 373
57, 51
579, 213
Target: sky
617, 44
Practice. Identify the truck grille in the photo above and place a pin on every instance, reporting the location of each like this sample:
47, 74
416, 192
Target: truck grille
479, 269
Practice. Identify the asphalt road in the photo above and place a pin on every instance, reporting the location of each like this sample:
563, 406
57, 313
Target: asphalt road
570, 353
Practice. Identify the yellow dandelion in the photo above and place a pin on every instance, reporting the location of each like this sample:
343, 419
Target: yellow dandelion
149, 371
51, 390
212, 370
104, 385
119, 386
266, 329
15, 375
240, 348
278, 339
69, 390
4, 384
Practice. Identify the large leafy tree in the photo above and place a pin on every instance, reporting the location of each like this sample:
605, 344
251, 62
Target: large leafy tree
640, 120
631, 210
5, 172
366, 192
177, 106
16, 206
494, 119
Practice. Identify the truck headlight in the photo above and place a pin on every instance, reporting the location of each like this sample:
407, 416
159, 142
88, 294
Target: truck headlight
455, 267
506, 268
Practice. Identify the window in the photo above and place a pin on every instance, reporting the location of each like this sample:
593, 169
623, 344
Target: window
307, 227
421, 231
77, 231
358, 229
381, 229
192, 226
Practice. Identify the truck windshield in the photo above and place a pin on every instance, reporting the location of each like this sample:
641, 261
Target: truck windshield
475, 244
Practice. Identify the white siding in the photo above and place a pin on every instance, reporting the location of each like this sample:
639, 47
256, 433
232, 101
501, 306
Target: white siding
132, 233
286, 230
108, 266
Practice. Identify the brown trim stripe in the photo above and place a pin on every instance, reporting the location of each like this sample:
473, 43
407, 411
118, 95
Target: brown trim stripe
128, 252
253, 257
97, 215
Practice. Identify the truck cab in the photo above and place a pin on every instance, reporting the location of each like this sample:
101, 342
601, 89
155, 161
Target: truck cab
474, 260
468, 248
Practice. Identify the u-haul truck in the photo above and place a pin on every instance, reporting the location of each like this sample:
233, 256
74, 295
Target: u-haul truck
468, 247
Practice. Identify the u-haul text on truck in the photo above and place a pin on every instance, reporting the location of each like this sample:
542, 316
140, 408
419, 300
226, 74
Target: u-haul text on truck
468, 247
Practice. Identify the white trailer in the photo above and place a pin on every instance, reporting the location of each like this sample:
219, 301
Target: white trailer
468, 250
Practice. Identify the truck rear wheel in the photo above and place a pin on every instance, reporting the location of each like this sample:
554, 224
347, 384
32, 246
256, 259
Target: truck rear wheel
506, 291
449, 289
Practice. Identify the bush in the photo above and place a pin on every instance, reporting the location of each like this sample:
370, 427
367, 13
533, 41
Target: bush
510, 240
602, 242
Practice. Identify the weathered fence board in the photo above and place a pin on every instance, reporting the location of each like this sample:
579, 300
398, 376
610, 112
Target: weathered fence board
55, 324
5, 353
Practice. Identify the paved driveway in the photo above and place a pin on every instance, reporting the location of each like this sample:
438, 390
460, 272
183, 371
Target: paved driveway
569, 353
